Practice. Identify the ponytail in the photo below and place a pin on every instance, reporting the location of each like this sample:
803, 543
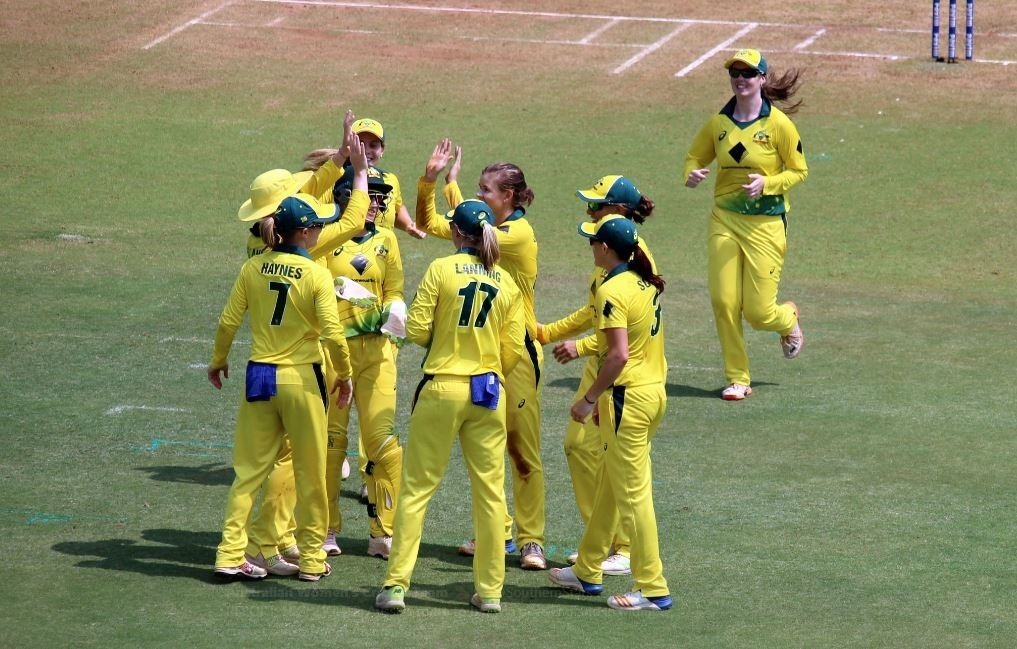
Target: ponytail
318, 157
267, 229
640, 265
489, 251
642, 211
780, 90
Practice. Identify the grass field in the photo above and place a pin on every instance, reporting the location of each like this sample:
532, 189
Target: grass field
865, 496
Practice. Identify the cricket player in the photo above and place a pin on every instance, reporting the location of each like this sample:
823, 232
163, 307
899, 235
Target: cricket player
371, 259
628, 400
503, 187
292, 307
467, 314
583, 449
759, 159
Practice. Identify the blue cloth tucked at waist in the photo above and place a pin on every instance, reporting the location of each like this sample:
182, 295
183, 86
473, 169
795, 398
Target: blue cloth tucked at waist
485, 390
261, 384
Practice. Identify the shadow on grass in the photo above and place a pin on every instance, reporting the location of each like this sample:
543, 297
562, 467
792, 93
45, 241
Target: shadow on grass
170, 553
450, 596
674, 390
207, 474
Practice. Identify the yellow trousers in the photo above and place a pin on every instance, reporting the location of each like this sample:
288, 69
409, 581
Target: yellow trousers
298, 412
273, 527
629, 418
522, 395
374, 393
745, 256
584, 453
442, 413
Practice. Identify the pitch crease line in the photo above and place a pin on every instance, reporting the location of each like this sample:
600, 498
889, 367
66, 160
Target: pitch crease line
809, 41
179, 28
706, 57
598, 31
650, 49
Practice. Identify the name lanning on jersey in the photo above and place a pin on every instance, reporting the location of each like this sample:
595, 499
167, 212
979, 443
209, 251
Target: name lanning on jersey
477, 269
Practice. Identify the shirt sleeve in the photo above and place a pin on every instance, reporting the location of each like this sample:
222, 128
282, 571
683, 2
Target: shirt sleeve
230, 320
453, 195
349, 224
427, 217
321, 183
789, 146
392, 289
513, 335
588, 346
571, 325
332, 332
701, 151
420, 316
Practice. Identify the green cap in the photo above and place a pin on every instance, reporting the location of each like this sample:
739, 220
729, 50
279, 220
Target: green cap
303, 211
618, 232
616, 190
470, 216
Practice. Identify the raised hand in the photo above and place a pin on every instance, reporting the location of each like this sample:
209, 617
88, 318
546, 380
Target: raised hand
439, 159
457, 164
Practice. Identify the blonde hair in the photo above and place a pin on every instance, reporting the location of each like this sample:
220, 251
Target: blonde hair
318, 157
486, 245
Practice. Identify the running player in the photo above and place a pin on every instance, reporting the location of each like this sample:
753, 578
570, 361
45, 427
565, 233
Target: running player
583, 449
759, 159
503, 187
292, 305
467, 313
627, 400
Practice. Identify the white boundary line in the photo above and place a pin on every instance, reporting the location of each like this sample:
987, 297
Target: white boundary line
650, 49
179, 28
704, 58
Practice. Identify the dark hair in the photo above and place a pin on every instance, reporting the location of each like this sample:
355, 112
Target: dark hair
780, 90
510, 177
641, 212
640, 264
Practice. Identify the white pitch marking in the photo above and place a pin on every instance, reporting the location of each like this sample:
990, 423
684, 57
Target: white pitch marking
859, 55
598, 31
698, 62
508, 12
277, 21
117, 410
179, 28
650, 49
177, 339
809, 41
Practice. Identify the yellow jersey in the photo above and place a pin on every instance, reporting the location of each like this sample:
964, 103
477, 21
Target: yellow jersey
373, 261
626, 301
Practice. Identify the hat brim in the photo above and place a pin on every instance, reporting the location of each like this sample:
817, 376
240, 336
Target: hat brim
591, 196
588, 229
248, 212
384, 188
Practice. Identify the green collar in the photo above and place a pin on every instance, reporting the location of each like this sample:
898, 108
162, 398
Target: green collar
617, 270
293, 250
371, 231
729, 107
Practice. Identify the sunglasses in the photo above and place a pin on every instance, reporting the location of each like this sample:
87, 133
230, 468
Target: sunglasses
744, 73
593, 207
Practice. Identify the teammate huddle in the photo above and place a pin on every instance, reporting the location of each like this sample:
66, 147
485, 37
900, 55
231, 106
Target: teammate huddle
324, 288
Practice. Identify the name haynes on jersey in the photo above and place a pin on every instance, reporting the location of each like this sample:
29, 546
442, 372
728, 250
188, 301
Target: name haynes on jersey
285, 270
477, 269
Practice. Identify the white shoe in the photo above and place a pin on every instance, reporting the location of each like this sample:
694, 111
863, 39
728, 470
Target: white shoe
792, 343
274, 565
735, 392
291, 554
617, 564
572, 558
346, 468
636, 602
490, 605
246, 570
568, 580
331, 546
379, 546
363, 494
